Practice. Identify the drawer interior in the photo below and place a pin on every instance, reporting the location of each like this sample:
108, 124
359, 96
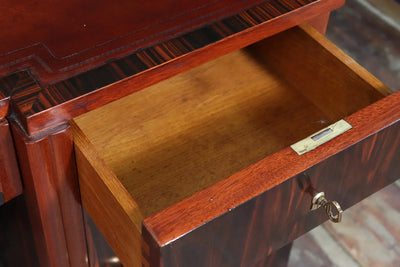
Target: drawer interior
186, 133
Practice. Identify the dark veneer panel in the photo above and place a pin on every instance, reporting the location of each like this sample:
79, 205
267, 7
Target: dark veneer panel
11, 84
278, 258
39, 107
267, 222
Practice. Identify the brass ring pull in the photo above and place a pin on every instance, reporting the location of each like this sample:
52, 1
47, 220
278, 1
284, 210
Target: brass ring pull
332, 208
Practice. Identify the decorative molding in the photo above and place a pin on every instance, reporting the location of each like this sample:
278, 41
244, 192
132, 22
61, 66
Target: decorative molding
38, 107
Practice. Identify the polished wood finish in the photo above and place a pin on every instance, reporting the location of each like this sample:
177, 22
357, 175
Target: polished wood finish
51, 190
281, 213
320, 22
10, 179
175, 145
17, 247
56, 41
10, 84
278, 258
110, 160
40, 107
306, 65
108, 203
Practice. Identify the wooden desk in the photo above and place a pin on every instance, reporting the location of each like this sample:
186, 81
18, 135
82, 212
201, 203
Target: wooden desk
72, 59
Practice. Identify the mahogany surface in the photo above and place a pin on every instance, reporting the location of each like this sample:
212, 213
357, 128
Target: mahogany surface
320, 22
269, 220
57, 40
278, 258
41, 106
106, 196
52, 196
10, 179
98, 61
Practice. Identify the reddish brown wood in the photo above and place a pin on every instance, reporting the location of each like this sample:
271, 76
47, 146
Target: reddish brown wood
17, 247
52, 195
264, 216
320, 22
10, 180
4, 104
8, 85
278, 258
40, 107
59, 40
100, 253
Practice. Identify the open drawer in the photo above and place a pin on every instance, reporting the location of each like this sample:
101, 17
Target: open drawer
198, 171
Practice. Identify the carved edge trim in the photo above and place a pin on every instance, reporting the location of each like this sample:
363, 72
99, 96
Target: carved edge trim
38, 108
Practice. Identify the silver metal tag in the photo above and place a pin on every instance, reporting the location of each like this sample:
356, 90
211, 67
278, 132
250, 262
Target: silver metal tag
321, 137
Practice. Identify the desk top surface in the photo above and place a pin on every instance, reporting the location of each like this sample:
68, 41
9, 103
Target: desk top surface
61, 59
59, 39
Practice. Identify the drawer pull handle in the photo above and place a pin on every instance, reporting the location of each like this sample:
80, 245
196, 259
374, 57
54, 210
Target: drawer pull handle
332, 208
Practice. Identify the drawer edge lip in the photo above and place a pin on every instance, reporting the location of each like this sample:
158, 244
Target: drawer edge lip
226, 195
35, 115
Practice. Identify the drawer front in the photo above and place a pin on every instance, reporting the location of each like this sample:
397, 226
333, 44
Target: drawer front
348, 169
10, 180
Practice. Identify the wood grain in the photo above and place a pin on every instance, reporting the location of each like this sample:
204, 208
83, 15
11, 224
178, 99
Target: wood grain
168, 148
10, 179
15, 82
171, 114
278, 258
321, 71
183, 135
52, 195
229, 193
109, 204
320, 22
280, 214
59, 41
54, 104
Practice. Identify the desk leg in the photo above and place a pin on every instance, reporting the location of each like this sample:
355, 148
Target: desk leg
278, 259
52, 196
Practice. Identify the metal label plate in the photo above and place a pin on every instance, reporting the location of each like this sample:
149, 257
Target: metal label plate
313, 141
